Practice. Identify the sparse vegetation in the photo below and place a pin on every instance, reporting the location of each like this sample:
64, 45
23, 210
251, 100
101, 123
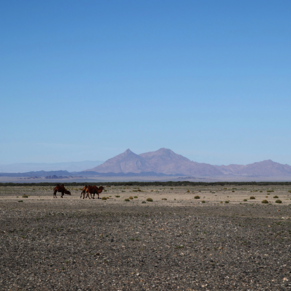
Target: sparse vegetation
275, 196
179, 247
265, 201
197, 197
150, 200
278, 201
24, 196
135, 197
252, 197
126, 199
117, 196
164, 198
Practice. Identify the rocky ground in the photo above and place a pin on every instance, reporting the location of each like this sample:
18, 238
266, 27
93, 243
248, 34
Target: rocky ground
73, 244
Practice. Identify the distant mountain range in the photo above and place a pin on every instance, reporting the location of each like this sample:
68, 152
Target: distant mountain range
165, 161
161, 163
30, 167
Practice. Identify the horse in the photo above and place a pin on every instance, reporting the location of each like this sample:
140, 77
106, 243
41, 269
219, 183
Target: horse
62, 189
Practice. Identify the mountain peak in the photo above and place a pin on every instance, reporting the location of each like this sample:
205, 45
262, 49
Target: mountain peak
128, 151
164, 150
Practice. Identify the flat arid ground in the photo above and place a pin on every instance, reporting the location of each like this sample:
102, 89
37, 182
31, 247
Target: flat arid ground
221, 241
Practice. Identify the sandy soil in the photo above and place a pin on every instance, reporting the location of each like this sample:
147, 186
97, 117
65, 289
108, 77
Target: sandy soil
174, 244
177, 196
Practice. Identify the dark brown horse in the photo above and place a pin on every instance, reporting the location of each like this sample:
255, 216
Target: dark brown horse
62, 189
91, 191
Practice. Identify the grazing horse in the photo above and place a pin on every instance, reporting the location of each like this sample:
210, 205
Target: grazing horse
91, 191
62, 189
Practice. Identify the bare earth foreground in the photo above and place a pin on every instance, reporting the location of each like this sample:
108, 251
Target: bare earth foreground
174, 244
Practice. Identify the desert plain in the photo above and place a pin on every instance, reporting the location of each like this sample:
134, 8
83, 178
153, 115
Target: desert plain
192, 237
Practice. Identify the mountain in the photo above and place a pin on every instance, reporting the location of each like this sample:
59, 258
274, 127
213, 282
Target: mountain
162, 161
127, 162
266, 168
29, 167
167, 162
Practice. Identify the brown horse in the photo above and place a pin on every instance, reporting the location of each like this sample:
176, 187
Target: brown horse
62, 189
91, 191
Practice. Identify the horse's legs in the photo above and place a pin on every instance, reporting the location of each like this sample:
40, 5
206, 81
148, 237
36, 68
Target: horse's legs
55, 196
62, 195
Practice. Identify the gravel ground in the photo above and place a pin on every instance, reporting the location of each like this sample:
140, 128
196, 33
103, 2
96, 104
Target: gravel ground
65, 244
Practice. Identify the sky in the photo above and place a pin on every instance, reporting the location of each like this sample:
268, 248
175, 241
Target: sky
86, 80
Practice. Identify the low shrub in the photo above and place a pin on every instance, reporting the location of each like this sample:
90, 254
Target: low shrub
203, 201
143, 202
126, 199
265, 201
275, 196
135, 197
245, 199
164, 198
179, 247
130, 197
24, 196
20, 201
278, 201
197, 197
252, 197
104, 198
226, 201
270, 190
150, 200
117, 196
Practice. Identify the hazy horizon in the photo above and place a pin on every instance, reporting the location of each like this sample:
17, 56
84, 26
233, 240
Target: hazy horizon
73, 166
86, 80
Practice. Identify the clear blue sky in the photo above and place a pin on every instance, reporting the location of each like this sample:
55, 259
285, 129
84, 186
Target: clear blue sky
85, 80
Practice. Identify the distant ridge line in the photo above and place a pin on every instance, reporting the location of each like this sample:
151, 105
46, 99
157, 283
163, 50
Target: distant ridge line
165, 161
